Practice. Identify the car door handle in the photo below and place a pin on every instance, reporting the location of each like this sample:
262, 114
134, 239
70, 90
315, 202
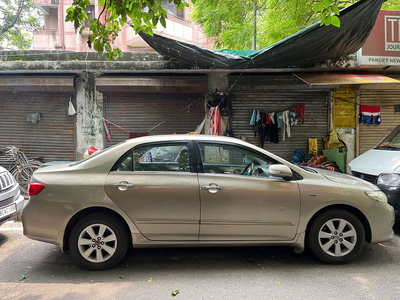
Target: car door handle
212, 187
123, 185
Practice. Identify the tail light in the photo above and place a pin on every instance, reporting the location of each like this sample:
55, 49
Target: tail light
35, 188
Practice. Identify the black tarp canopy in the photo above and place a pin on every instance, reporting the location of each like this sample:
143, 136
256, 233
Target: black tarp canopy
312, 45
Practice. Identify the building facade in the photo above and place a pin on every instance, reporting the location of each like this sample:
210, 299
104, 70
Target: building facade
146, 93
57, 34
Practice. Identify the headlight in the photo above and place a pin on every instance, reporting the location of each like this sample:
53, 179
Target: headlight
389, 179
377, 196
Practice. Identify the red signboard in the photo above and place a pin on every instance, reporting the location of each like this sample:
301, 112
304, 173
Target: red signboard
383, 44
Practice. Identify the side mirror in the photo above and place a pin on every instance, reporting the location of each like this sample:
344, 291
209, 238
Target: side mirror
280, 171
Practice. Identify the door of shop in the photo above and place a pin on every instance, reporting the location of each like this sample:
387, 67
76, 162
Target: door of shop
151, 113
387, 97
38, 123
276, 94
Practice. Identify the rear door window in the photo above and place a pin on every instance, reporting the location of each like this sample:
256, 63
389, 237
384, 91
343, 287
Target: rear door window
166, 157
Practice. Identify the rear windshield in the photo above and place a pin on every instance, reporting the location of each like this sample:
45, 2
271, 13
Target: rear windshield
96, 153
390, 142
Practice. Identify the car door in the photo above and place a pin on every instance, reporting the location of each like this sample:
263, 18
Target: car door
153, 184
240, 200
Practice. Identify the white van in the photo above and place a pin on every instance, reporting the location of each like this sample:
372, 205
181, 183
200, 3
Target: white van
381, 166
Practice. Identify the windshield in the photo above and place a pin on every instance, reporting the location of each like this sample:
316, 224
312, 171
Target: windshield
390, 142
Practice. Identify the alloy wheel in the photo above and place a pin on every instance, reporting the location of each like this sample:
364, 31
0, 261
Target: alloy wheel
97, 243
337, 237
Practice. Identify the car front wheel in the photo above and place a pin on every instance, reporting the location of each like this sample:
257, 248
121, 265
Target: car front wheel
336, 237
98, 242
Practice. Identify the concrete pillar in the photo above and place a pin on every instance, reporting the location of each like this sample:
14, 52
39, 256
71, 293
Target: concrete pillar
89, 122
218, 82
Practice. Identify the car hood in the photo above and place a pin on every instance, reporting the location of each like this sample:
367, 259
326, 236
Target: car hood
346, 179
375, 162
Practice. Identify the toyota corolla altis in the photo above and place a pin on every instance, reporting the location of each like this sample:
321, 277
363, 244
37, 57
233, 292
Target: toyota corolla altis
200, 190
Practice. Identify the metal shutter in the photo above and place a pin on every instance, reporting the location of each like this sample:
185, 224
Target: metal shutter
276, 94
137, 113
51, 138
385, 96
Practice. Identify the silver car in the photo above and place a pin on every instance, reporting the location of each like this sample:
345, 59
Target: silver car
11, 200
185, 190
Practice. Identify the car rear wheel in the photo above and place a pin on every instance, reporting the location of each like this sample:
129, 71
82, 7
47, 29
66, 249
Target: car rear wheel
98, 242
336, 237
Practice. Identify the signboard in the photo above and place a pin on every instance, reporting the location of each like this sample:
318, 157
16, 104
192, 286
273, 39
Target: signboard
382, 47
334, 78
344, 107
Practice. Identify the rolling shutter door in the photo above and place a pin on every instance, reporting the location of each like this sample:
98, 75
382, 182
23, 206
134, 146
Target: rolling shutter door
161, 113
277, 95
51, 138
385, 96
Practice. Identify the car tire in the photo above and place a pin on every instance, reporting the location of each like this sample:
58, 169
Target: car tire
98, 242
336, 237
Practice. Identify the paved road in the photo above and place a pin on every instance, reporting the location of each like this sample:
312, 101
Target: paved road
35, 270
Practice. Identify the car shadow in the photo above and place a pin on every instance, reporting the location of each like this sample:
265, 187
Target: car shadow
36, 260
3, 239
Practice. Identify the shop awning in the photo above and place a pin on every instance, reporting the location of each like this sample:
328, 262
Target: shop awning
312, 45
337, 79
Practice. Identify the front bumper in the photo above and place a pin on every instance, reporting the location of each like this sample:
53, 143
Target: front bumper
381, 218
393, 195
18, 203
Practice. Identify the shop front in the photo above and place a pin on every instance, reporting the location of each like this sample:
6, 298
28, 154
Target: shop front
34, 116
307, 108
149, 105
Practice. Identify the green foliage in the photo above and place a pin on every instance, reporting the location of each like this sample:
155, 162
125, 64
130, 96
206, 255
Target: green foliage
329, 13
230, 22
18, 18
141, 15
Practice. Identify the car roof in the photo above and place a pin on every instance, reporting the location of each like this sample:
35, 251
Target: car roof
185, 137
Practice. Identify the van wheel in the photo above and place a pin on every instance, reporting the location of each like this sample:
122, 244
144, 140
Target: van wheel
98, 242
336, 237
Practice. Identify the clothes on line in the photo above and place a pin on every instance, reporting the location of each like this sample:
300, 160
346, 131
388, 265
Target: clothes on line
267, 125
370, 115
133, 135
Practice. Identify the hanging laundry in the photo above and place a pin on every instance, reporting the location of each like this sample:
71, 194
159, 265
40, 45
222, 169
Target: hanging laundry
272, 117
133, 135
293, 117
255, 117
278, 119
299, 110
370, 115
262, 128
267, 125
285, 125
273, 130
214, 115
313, 146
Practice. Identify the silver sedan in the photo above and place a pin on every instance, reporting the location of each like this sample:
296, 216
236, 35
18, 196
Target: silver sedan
199, 190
